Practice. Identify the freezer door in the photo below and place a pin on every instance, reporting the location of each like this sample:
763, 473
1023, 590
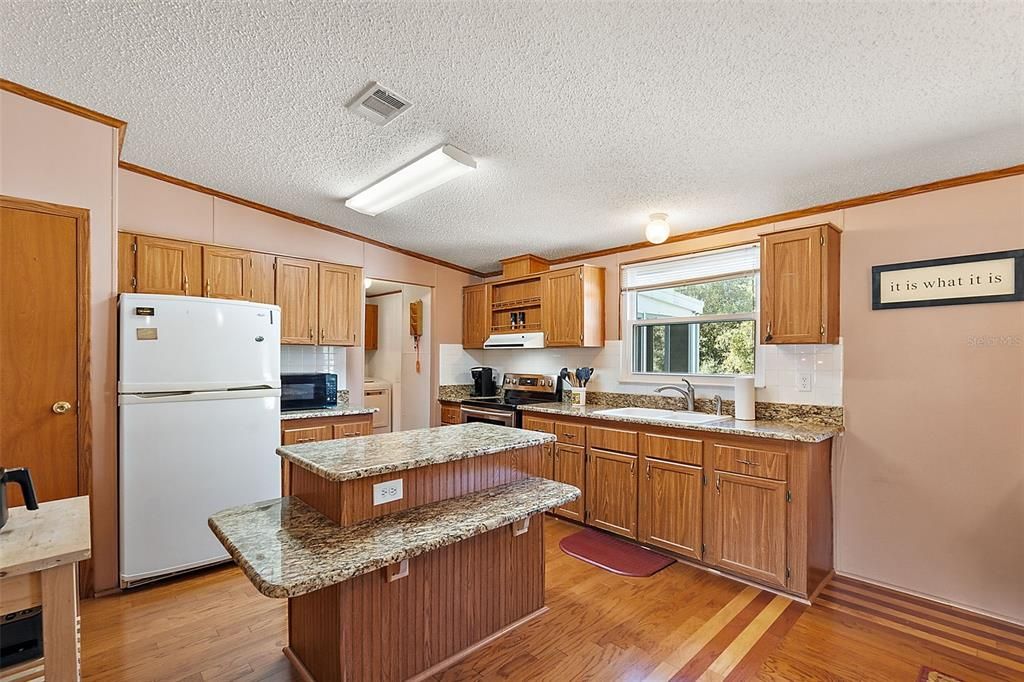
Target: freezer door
182, 458
187, 343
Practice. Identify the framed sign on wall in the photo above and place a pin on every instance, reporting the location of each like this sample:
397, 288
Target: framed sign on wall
979, 278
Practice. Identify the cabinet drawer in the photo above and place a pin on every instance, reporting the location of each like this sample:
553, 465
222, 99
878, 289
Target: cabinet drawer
294, 436
672, 448
762, 463
535, 424
353, 429
615, 440
573, 434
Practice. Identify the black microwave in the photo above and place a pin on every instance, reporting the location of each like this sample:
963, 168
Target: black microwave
308, 391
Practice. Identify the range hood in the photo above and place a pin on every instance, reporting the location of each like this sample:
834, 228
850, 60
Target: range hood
528, 340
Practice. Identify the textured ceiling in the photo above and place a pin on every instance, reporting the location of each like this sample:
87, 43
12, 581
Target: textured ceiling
584, 117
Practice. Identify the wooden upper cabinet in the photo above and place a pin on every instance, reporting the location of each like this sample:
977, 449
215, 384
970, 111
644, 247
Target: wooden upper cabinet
339, 297
476, 316
296, 293
749, 527
125, 262
800, 285
573, 307
227, 273
168, 266
612, 491
370, 336
670, 506
261, 277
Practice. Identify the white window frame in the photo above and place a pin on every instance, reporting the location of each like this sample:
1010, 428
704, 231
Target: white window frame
627, 311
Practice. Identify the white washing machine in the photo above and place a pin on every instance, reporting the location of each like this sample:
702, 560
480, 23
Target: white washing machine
377, 393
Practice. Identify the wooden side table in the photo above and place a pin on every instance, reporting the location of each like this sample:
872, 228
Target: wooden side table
39, 555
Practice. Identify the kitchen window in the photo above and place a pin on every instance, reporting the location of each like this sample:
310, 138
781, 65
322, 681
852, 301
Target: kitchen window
692, 315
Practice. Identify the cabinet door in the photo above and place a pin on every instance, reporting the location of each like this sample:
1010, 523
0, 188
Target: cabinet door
226, 273
450, 413
750, 527
261, 276
340, 314
670, 507
563, 308
295, 286
476, 315
125, 262
370, 337
351, 429
791, 286
611, 491
167, 266
570, 468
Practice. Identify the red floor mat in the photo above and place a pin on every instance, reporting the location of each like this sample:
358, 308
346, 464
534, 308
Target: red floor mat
611, 554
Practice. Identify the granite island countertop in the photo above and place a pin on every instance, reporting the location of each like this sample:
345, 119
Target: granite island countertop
351, 458
340, 411
794, 431
287, 548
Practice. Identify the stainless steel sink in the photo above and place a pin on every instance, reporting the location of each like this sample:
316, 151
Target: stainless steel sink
674, 416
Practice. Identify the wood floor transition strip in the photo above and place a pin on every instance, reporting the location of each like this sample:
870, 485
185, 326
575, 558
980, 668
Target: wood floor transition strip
756, 656
723, 639
747, 639
699, 639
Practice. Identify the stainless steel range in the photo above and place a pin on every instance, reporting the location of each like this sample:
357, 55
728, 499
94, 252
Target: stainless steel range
517, 389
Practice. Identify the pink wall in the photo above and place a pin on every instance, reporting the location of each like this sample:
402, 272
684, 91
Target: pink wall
930, 492
50, 155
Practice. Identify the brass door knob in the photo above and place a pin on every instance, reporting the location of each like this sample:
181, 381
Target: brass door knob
61, 407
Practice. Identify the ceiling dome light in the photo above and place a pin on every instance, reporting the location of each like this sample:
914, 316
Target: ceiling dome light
367, 283
658, 229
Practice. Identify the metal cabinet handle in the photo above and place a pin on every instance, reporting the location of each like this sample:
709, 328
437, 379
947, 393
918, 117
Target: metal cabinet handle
570, 436
718, 484
305, 440
186, 284
310, 333
632, 468
768, 335
648, 470
747, 461
61, 407
207, 288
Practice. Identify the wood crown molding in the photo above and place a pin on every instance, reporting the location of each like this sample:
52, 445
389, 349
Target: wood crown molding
70, 107
142, 170
802, 213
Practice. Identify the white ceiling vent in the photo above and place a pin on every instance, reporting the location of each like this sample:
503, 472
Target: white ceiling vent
379, 105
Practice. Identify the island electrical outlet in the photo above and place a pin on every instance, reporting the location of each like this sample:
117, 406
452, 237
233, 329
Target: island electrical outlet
388, 491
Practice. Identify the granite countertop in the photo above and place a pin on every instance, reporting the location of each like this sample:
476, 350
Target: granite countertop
341, 411
804, 433
287, 548
56, 533
364, 456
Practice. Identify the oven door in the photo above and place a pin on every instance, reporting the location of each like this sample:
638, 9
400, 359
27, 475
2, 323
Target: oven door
479, 414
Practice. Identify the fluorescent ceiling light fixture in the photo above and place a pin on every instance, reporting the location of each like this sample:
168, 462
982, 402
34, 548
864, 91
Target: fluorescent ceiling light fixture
425, 173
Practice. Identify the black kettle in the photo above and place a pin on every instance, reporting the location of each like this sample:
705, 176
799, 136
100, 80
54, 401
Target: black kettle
28, 491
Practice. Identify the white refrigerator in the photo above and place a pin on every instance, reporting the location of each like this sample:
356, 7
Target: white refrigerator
199, 410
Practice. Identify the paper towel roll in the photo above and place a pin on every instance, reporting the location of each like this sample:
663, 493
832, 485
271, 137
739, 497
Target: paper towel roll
744, 397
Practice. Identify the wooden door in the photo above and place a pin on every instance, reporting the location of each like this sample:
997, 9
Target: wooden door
791, 286
339, 297
750, 527
167, 266
570, 468
563, 308
43, 297
611, 491
295, 291
670, 507
261, 276
476, 316
370, 336
228, 273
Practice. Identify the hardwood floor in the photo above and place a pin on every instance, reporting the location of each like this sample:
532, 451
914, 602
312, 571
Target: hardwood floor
681, 624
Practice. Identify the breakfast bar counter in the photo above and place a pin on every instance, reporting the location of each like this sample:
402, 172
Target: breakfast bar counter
401, 553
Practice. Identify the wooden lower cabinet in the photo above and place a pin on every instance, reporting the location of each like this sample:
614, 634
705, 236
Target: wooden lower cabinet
570, 467
353, 429
670, 507
451, 413
611, 482
749, 521
298, 431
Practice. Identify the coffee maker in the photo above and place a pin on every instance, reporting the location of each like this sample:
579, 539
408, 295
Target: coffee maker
485, 382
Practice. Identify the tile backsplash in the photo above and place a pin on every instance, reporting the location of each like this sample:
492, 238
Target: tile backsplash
777, 380
314, 359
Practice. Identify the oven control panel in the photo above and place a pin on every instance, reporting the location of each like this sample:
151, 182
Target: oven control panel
531, 382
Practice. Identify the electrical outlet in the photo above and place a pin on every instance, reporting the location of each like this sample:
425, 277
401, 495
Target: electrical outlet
803, 382
388, 491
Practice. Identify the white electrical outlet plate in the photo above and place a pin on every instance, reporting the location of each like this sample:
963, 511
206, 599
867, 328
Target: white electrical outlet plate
803, 382
388, 491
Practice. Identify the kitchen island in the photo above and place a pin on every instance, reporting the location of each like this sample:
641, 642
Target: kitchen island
401, 553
